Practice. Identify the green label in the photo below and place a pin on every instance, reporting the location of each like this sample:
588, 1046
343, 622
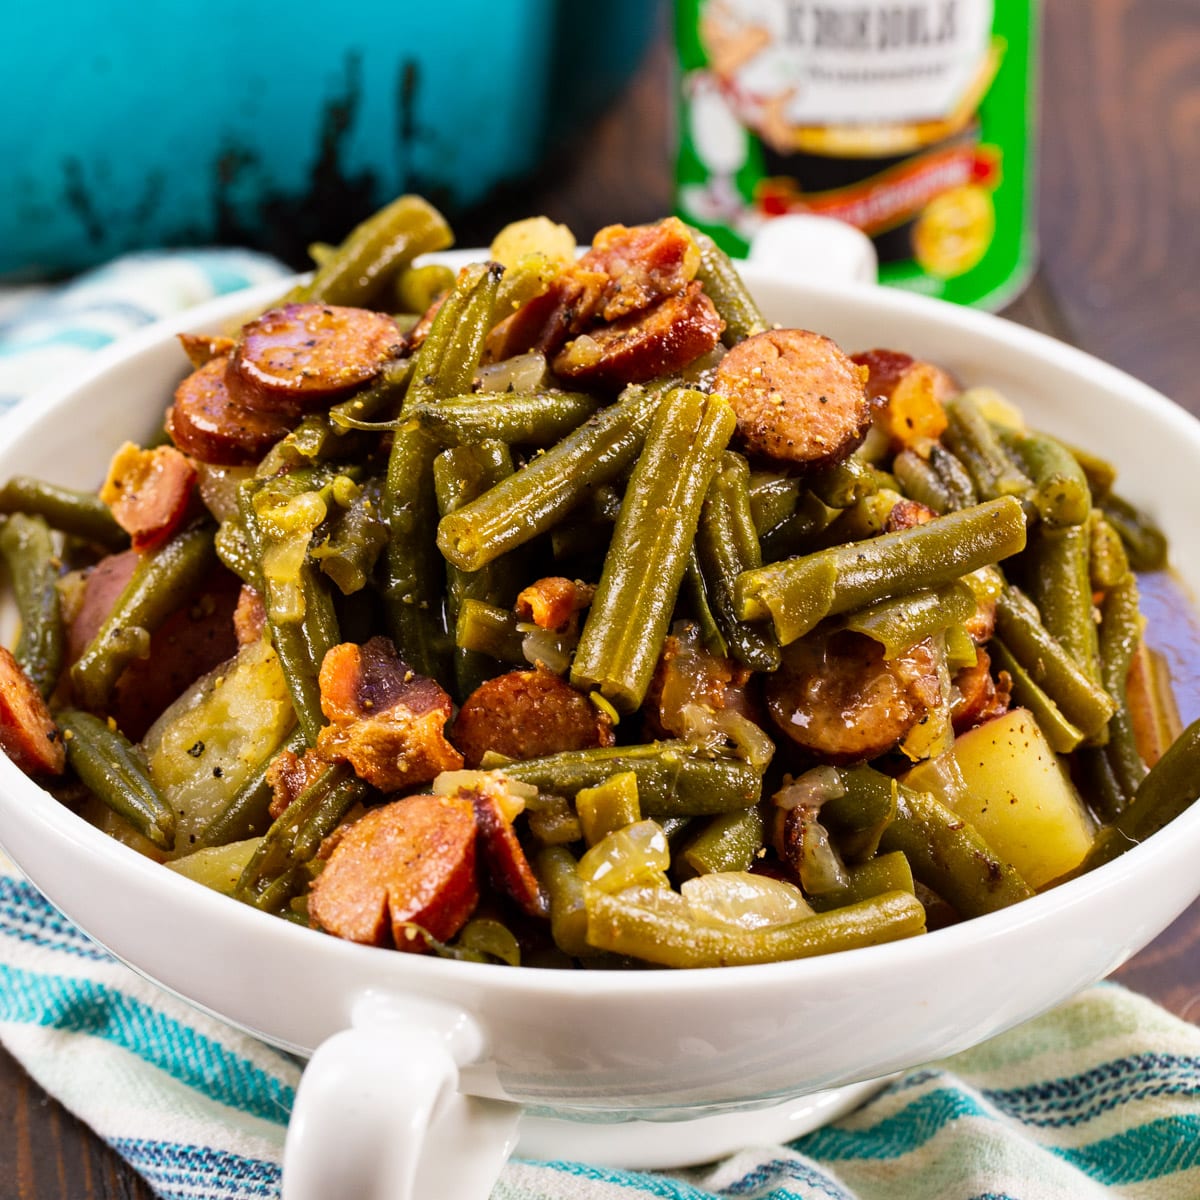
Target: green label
912, 121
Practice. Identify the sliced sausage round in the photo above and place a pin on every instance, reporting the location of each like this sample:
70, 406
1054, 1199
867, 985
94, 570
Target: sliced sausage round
28, 734
640, 347
798, 398
840, 699
207, 423
527, 714
303, 357
409, 863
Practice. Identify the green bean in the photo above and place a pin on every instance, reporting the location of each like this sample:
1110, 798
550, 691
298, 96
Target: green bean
1063, 736
229, 542
801, 592
1119, 636
418, 287
883, 873
1169, 789
949, 856
556, 869
523, 418
28, 551
728, 842
858, 818
1084, 703
1145, 543
1098, 782
799, 532
672, 780
384, 395
552, 484
973, 440
460, 474
246, 813
954, 476
488, 629
414, 576
627, 622
921, 482
608, 806
356, 270
82, 514
356, 538
773, 498
110, 768
726, 289
900, 622
672, 939
160, 583
1108, 564
848, 482
1059, 580
694, 599
1099, 472
727, 545
1061, 494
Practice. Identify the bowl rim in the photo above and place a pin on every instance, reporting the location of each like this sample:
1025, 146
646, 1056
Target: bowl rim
412, 971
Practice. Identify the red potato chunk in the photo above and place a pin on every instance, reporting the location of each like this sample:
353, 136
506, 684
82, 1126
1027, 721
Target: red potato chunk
303, 357
408, 863
149, 493
28, 734
528, 714
798, 398
387, 722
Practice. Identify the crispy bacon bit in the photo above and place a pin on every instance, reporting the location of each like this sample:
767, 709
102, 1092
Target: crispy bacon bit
288, 775
388, 723
550, 603
202, 348
28, 734
528, 714
506, 861
250, 616
838, 697
914, 394
643, 265
149, 492
906, 514
980, 697
404, 865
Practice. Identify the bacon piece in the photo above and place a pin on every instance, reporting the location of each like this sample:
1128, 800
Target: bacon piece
840, 699
408, 863
288, 775
149, 492
207, 423
798, 398
202, 348
643, 264
502, 851
303, 357
28, 734
913, 393
388, 722
980, 697
550, 603
906, 514
644, 345
249, 617
528, 714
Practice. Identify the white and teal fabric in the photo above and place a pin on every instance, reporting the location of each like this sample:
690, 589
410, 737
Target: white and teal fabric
1099, 1098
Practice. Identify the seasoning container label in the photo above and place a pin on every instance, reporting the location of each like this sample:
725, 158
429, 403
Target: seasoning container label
912, 121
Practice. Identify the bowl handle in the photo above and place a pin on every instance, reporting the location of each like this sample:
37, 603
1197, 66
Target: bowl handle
379, 1114
814, 249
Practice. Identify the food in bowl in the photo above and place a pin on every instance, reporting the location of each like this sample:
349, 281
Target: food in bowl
576, 616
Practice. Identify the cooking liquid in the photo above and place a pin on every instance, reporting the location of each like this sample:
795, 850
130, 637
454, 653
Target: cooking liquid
911, 121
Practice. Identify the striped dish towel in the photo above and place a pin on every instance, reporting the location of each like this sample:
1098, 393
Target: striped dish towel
1099, 1098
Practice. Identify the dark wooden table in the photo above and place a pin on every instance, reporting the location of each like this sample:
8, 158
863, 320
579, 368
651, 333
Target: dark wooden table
1119, 216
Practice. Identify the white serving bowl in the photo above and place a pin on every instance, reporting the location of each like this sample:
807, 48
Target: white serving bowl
607, 1047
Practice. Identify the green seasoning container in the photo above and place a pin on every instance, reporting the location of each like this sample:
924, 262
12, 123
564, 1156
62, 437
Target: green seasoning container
913, 121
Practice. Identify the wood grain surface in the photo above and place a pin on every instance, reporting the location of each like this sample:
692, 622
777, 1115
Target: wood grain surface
1119, 212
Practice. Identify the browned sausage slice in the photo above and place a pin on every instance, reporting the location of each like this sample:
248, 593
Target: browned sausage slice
798, 398
207, 423
149, 492
303, 357
980, 697
643, 264
837, 697
502, 851
28, 734
663, 339
409, 863
387, 721
527, 714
